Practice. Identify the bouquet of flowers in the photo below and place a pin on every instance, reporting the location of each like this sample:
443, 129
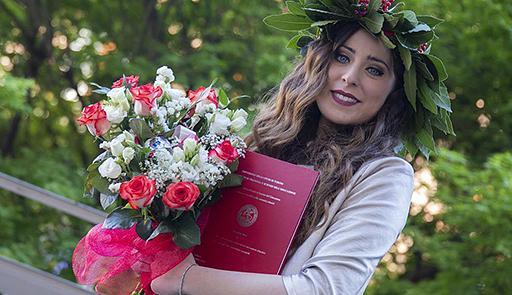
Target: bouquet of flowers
166, 156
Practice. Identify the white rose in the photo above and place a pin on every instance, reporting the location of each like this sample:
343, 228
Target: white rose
116, 145
114, 187
240, 113
237, 124
128, 154
109, 168
178, 154
115, 114
165, 72
128, 137
119, 99
220, 124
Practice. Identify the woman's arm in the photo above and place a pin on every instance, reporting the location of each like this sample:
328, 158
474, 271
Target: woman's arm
209, 281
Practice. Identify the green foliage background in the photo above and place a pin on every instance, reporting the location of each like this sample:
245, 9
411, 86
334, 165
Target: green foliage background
51, 50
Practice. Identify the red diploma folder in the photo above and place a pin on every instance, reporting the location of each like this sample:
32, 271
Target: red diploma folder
251, 227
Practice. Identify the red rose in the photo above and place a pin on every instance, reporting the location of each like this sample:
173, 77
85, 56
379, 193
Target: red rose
181, 195
144, 98
95, 118
212, 96
139, 191
224, 152
131, 81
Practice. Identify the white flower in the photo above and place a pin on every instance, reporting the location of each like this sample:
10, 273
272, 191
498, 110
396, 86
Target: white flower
220, 124
115, 114
240, 113
176, 93
189, 146
105, 145
165, 72
119, 99
203, 156
237, 124
116, 145
166, 87
128, 137
109, 168
178, 155
188, 172
128, 154
114, 187
162, 155
205, 107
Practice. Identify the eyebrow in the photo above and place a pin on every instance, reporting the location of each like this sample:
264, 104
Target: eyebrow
370, 57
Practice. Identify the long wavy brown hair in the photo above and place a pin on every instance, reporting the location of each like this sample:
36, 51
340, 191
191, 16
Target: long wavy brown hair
289, 128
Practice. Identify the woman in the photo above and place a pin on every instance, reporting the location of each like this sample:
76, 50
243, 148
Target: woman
344, 110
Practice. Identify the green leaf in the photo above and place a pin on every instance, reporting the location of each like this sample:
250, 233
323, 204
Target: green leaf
410, 85
431, 21
396, 6
107, 199
287, 22
231, 180
121, 218
223, 99
234, 166
427, 97
412, 39
292, 43
386, 40
323, 23
162, 228
141, 129
409, 19
441, 70
442, 99
99, 183
143, 229
187, 232
374, 6
374, 22
100, 89
423, 69
318, 14
295, 8
426, 139
411, 147
406, 57
446, 118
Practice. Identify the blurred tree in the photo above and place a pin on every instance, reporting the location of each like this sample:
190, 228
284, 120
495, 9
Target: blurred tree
51, 50
475, 43
457, 240
65, 46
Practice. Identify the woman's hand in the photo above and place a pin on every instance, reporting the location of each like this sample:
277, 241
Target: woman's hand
169, 283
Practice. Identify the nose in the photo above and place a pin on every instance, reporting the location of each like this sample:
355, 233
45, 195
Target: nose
350, 76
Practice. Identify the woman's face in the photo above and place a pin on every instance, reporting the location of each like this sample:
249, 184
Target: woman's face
360, 78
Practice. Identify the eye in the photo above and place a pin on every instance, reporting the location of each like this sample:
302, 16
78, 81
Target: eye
375, 71
342, 58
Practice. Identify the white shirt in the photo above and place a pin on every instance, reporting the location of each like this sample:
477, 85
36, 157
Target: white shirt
364, 221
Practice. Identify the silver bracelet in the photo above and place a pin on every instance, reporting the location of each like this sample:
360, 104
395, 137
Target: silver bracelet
183, 278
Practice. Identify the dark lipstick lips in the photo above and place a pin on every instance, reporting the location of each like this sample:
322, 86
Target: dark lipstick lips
345, 94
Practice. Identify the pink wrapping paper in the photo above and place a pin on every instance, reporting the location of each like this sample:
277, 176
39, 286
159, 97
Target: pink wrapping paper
118, 261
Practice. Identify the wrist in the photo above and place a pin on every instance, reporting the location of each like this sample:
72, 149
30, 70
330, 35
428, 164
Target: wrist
182, 287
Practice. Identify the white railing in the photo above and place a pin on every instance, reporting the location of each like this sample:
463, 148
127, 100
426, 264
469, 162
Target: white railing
17, 278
